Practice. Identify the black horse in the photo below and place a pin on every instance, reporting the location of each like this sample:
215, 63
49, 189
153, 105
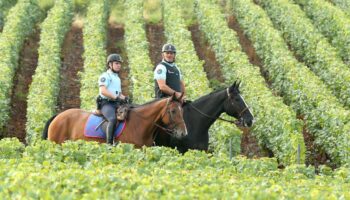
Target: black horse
200, 114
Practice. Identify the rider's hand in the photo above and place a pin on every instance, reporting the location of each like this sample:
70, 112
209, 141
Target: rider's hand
122, 97
178, 95
127, 100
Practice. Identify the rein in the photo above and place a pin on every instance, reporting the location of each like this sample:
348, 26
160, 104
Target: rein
210, 117
167, 130
220, 118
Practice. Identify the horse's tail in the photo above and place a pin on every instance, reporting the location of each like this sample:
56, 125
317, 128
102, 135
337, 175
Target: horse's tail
46, 129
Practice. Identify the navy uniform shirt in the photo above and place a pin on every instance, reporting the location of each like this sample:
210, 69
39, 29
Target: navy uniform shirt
160, 71
112, 82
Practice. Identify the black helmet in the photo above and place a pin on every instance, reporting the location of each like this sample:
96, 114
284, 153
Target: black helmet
114, 58
169, 48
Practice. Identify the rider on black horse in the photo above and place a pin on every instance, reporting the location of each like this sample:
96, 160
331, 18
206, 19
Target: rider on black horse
110, 94
167, 75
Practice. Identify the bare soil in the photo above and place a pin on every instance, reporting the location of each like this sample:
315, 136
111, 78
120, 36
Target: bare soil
314, 154
247, 46
28, 60
71, 63
204, 52
156, 39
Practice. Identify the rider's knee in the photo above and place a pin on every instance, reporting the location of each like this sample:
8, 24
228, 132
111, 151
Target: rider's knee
112, 120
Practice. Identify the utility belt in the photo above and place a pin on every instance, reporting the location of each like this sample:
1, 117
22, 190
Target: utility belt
100, 101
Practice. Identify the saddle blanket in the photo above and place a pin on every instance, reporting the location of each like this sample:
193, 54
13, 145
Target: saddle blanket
94, 121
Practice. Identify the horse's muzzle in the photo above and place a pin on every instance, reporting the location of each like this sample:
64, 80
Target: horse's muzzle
180, 133
248, 123
244, 123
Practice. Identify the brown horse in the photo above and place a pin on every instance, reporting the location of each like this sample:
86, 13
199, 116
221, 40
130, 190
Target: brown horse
141, 123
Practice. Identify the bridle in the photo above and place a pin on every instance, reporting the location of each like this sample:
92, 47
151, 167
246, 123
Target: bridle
169, 131
231, 101
220, 118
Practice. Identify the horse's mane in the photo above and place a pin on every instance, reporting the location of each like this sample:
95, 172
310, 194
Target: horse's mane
147, 103
212, 93
217, 90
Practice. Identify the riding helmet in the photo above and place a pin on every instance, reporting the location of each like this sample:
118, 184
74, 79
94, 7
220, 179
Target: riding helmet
169, 48
114, 58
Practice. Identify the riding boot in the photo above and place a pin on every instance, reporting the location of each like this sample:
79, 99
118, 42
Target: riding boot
110, 133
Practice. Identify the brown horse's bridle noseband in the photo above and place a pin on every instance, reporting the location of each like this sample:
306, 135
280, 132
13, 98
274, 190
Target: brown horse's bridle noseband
220, 118
167, 130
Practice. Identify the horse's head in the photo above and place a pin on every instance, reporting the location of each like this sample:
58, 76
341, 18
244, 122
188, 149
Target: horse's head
173, 117
235, 106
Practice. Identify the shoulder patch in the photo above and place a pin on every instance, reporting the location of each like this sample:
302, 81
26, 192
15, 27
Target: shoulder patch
103, 79
159, 71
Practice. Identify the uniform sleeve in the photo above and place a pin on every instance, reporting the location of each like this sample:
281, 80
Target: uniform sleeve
103, 80
181, 77
160, 72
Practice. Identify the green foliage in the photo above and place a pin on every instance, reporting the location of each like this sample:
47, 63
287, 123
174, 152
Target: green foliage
343, 4
88, 170
11, 148
332, 22
325, 117
141, 73
46, 4
19, 24
80, 5
44, 89
117, 11
152, 11
310, 46
94, 34
4, 9
275, 126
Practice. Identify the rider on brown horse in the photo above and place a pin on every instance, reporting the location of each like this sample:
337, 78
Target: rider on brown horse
110, 94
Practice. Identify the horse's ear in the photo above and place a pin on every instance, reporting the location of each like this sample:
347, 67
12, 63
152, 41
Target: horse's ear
173, 97
182, 94
233, 86
239, 85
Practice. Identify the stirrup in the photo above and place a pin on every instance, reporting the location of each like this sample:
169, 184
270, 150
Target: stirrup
115, 143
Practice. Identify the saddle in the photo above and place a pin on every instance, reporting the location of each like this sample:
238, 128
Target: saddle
121, 112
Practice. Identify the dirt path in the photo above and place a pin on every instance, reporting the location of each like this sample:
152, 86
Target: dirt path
156, 39
71, 64
247, 46
28, 60
314, 155
116, 44
204, 52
